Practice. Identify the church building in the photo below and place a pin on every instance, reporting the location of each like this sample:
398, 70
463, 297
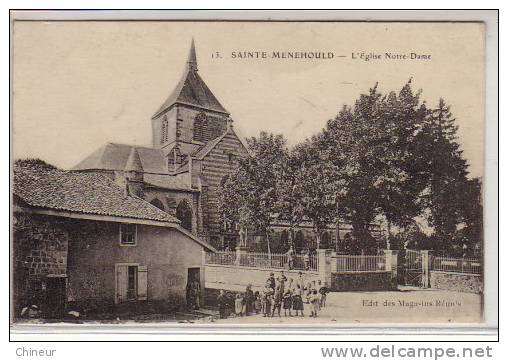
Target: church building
194, 145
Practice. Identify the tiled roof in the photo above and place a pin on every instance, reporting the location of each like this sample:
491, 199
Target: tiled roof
81, 192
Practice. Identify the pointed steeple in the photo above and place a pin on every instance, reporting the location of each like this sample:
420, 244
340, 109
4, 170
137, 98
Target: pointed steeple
192, 90
133, 162
192, 61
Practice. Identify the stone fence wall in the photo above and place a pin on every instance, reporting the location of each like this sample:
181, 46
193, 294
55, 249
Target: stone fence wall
236, 278
453, 281
363, 281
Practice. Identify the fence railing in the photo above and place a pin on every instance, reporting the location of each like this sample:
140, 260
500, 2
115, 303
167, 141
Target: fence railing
264, 260
349, 263
224, 258
301, 262
459, 265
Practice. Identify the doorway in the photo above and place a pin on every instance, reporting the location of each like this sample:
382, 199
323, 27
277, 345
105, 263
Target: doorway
56, 293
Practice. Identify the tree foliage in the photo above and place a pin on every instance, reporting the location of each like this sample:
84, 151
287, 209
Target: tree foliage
388, 156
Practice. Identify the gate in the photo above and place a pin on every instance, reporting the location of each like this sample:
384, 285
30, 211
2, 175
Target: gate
413, 268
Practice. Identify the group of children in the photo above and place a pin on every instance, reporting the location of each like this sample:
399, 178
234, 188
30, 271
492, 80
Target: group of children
281, 294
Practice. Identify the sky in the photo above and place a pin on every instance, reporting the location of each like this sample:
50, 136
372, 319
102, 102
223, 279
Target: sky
79, 85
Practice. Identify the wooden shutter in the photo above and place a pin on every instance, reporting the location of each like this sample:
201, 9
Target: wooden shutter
142, 283
121, 284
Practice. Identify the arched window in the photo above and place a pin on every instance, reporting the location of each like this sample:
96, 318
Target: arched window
164, 130
201, 128
184, 214
157, 203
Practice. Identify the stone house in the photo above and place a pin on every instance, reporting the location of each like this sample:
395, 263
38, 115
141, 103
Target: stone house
80, 237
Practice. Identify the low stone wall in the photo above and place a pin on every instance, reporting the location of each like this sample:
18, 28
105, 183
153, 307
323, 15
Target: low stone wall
363, 281
460, 282
235, 278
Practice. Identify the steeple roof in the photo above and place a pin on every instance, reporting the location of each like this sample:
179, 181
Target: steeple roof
133, 162
192, 61
192, 90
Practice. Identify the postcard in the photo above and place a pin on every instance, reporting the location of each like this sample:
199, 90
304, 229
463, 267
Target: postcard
261, 173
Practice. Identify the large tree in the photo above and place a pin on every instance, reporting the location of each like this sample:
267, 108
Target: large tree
313, 187
249, 195
401, 172
388, 156
352, 148
290, 208
446, 172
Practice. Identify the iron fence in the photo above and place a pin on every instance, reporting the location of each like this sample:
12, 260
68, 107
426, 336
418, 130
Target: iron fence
223, 258
349, 263
264, 260
459, 265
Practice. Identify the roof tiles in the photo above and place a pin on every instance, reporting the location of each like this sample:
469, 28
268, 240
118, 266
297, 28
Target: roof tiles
81, 192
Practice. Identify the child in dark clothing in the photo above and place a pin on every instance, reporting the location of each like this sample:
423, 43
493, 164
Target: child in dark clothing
297, 300
323, 290
267, 301
287, 300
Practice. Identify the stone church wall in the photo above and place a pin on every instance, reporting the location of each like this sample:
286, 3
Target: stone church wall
222, 160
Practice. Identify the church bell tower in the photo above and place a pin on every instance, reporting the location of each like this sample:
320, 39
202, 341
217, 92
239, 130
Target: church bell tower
191, 116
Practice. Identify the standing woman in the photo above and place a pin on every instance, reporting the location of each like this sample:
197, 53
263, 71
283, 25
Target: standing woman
297, 300
248, 300
193, 293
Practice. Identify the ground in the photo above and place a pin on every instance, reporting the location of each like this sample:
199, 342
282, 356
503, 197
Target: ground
407, 305
404, 306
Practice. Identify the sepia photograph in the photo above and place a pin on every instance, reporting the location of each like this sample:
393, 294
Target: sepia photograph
255, 173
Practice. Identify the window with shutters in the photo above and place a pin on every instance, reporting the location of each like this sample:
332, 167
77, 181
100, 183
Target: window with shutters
128, 234
131, 282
